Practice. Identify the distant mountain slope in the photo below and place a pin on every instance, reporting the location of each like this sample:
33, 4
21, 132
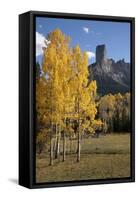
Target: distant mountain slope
112, 77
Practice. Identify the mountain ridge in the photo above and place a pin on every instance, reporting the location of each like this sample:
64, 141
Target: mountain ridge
112, 77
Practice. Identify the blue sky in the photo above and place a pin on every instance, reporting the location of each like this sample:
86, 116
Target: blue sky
88, 34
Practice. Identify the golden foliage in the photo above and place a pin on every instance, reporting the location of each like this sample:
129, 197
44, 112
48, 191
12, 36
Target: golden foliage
63, 92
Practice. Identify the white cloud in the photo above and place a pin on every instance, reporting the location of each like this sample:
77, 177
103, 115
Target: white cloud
40, 43
86, 29
90, 54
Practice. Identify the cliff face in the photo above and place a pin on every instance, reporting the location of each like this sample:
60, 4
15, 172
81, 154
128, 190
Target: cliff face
112, 77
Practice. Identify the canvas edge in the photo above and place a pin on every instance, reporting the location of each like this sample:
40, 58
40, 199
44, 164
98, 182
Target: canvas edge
32, 184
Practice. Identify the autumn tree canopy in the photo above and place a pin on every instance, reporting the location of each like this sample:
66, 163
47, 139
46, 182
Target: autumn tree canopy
65, 100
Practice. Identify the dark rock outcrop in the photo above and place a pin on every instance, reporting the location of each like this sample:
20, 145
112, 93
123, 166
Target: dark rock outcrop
112, 77
101, 54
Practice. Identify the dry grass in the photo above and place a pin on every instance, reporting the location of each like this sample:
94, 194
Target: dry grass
104, 157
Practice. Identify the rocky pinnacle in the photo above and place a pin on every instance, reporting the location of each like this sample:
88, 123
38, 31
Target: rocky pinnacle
101, 54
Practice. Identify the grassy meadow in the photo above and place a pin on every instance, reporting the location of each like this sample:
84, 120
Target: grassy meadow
104, 157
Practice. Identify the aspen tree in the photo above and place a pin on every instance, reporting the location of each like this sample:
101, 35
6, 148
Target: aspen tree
55, 64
